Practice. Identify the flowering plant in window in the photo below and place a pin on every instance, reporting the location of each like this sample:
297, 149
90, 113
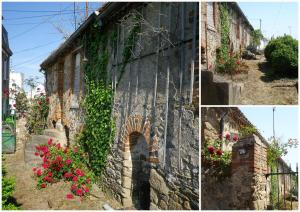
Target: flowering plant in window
63, 164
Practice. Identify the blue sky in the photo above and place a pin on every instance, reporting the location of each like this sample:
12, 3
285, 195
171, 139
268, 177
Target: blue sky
286, 125
31, 24
277, 17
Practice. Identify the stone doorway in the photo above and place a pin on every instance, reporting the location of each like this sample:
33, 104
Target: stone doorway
139, 154
140, 190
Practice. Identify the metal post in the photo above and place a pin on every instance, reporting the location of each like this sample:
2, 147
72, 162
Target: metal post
277, 184
284, 189
291, 186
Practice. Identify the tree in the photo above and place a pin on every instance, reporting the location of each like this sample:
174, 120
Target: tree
32, 83
257, 36
21, 103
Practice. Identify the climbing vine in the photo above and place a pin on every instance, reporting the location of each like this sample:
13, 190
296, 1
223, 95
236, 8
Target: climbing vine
130, 42
97, 135
225, 27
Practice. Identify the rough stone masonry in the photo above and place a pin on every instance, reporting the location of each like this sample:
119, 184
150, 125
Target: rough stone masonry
154, 160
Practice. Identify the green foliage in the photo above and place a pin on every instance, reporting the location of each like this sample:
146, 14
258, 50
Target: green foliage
256, 36
37, 115
225, 29
8, 187
247, 130
98, 132
215, 159
282, 53
10, 120
99, 126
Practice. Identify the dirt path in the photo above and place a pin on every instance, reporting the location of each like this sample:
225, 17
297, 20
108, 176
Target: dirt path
52, 197
259, 89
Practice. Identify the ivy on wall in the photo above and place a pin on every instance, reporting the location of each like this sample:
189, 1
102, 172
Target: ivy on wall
99, 129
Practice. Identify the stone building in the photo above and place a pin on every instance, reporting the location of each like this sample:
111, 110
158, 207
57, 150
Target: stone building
154, 160
216, 90
6, 54
247, 186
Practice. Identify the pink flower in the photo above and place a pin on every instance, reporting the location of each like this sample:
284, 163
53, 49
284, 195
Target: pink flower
68, 161
67, 175
235, 138
75, 179
36, 154
79, 172
70, 196
34, 169
45, 165
50, 174
219, 152
58, 146
227, 136
75, 149
211, 149
50, 141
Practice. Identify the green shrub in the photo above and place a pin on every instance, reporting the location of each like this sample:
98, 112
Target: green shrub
282, 54
8, 187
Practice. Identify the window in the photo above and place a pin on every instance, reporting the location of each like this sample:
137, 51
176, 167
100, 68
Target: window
76, 81
210, 14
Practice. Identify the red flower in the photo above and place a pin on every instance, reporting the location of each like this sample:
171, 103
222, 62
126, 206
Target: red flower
88, 180
58, 146
47, 99
75, 179
43, 185
39, 102
79, 192
50, 141
50, 174
227, 136
45, 165
58, 158
219, 152
68, 161
73, 187
36, 154
211, 149
34, 169
70, 196
79, 172
235, 138
67, 175
39, 173
86, 190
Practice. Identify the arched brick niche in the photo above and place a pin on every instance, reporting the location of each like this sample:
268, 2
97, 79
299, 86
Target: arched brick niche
139, 151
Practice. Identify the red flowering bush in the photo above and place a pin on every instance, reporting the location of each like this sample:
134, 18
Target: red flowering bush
63, 164
38, 113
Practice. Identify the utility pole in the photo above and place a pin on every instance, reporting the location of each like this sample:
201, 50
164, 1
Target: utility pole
290, 28
74, 17
86, 10
260, 24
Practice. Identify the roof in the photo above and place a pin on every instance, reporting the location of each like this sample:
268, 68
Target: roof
236, 7
99, 14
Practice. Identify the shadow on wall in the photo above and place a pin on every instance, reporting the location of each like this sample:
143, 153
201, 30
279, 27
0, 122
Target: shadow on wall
140, 188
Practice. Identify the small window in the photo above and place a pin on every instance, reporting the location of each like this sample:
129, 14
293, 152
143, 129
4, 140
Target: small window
210, 14
76, 81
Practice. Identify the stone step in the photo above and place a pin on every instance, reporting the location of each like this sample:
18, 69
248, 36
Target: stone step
54, 133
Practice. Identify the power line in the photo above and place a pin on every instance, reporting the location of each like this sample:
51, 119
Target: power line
38, 16
46, 11
35, 26
31, 60
36, 47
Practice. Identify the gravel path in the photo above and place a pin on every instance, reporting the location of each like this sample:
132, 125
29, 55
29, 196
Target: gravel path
260, 90
52, 197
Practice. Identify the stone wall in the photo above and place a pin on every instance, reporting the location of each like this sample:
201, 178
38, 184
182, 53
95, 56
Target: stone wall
155, 102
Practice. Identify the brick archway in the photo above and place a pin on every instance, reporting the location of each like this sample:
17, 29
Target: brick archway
135, 125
